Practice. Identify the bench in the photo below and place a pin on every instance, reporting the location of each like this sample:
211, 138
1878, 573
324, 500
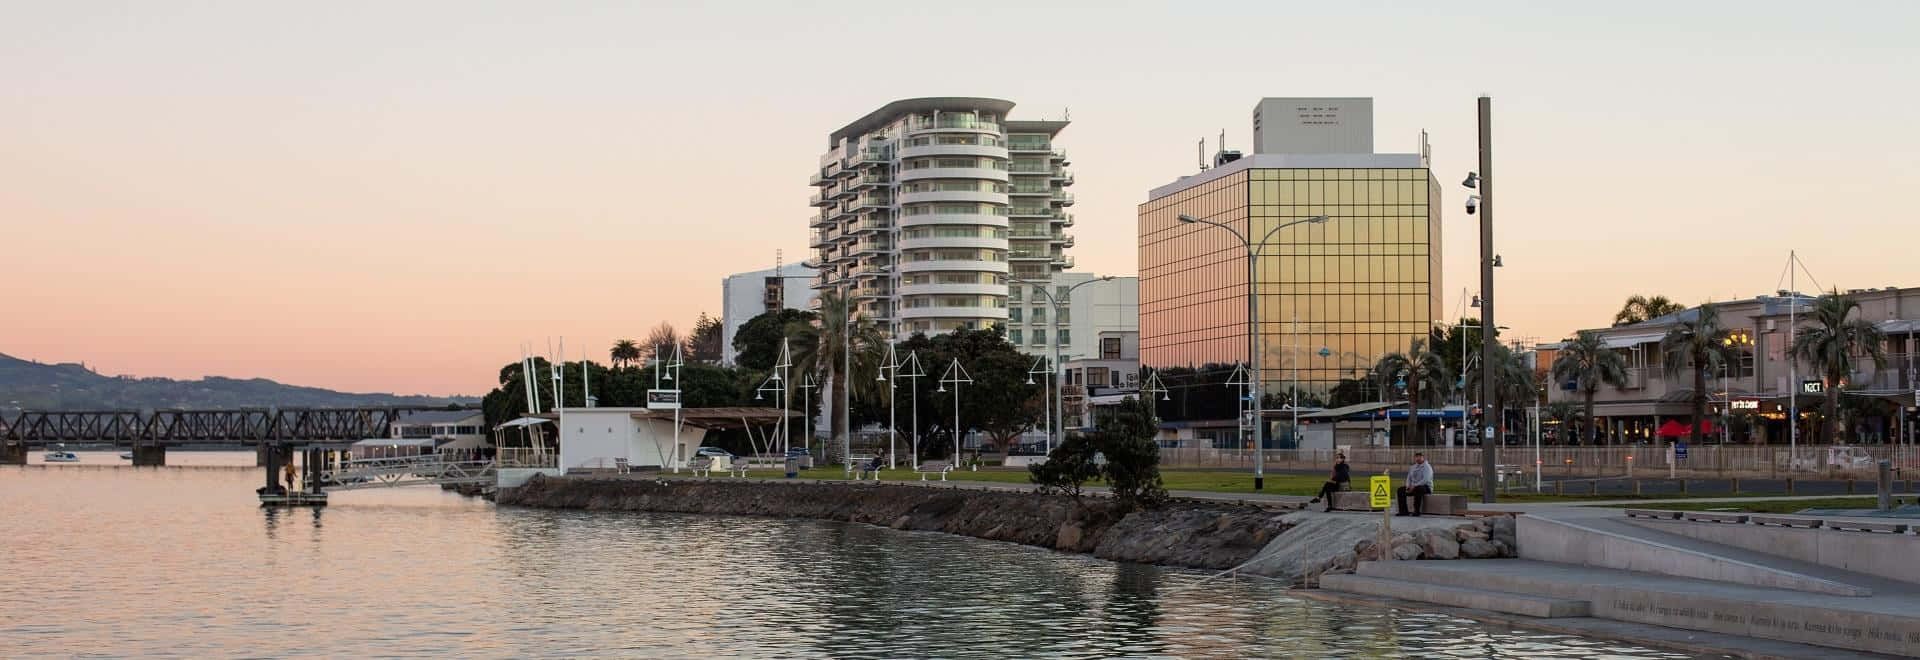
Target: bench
1890, 528
1783, 521
738, 468
857, 468
700, 466
934, 467
1715, 518
1440, 504
1651, 513
1350, 500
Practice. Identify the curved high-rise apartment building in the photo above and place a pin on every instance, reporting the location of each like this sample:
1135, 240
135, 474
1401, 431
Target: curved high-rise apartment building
929, 207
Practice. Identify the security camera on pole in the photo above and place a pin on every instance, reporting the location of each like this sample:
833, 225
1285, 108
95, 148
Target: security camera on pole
1483, 204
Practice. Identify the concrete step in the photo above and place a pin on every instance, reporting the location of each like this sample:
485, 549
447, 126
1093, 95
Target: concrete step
1453, 596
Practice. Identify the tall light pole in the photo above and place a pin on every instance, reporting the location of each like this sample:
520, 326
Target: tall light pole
956, 375
1042, 368
1059, 401
1489, 440
1253, 333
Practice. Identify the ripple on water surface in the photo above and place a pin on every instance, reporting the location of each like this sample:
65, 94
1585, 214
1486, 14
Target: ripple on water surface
149, 562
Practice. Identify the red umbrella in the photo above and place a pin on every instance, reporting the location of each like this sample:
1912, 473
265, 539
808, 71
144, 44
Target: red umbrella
1674, 429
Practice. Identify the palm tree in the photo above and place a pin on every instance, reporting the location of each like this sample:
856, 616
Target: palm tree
1641, 308
1832, 344
625, 353
821, 347
1421, 372
1588, 362
1512, 380
1698, 344
1565, 415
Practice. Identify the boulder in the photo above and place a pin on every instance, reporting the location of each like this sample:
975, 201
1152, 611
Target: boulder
1068, 537
1440, 546
1479, 549
1405, 552
1465, 534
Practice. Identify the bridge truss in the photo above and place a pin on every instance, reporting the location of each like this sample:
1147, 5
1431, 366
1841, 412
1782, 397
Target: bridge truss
172, 427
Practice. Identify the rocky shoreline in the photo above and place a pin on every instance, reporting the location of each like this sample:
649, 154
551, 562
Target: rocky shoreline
1295, 546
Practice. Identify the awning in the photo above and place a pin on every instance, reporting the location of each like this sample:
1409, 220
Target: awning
524, 421
1346, 411
1899, 326
395, 442
1632, 340
1674, 429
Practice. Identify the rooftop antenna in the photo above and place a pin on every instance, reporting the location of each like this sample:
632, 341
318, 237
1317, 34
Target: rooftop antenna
1200, 154
1066, 114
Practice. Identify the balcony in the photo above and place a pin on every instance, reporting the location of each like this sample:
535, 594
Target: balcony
1031, 234
1063, 261
946, 123
872, 225
818, 239
871, 181
872, 247
818, 178
871, 203
1063, 198
870, 156
1064, 177
1030, 147
1031, 212
819, 221
872, 292
1030, 190
1018, 167
1031, 255
842, 193
1059, 155
820, 199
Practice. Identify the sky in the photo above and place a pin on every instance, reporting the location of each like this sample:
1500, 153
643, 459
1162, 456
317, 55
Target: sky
377, 196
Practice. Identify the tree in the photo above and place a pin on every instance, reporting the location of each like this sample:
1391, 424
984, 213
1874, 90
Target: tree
1641, 308
756, 345
625, 353
1512, 380
1699, 344
1832, 344
661, 342
826, 347
1129, 458
1424, 375
998, 402
705, 344
1565, 416
1447, 340
1125, 435
1586, 362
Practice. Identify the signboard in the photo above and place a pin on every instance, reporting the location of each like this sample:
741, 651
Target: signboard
663, 399
1679, 451
1745, 404
1380, 491
1813, 387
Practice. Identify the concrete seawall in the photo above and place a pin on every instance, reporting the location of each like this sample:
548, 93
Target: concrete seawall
1185, 534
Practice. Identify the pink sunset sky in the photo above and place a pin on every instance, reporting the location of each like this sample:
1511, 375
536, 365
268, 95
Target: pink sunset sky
394, 196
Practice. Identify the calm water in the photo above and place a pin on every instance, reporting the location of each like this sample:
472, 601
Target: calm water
182, 562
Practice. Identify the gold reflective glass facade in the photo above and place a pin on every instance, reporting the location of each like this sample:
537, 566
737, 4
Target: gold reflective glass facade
1361, 285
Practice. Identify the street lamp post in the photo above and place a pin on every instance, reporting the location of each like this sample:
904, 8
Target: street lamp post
1253, 333
955, 375
1059, 401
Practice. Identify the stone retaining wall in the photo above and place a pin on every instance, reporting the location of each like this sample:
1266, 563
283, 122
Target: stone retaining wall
1187, 534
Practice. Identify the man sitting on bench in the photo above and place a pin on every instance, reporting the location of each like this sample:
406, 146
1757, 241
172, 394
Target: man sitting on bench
1336, 482
1419, 485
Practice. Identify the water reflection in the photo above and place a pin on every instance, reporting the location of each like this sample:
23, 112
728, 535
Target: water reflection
121, 563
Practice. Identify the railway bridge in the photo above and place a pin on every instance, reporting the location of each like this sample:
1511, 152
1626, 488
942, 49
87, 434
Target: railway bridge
148, 433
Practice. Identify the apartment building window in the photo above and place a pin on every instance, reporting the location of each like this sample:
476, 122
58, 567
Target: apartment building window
1097, 377
1039, 315
1013, 294
1065, 338
1014, 336
1065, 312
1013, 316
1109, 348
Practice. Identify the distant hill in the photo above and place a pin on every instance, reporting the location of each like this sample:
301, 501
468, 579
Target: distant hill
35, 386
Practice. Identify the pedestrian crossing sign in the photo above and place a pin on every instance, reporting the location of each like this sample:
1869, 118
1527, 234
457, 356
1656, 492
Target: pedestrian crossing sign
1379, 495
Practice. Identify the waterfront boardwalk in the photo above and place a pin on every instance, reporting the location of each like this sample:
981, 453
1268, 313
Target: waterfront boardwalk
1762, 582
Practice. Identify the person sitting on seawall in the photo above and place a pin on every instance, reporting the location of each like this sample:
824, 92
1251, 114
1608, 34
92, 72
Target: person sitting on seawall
879, 461
1342, 475
1419, 485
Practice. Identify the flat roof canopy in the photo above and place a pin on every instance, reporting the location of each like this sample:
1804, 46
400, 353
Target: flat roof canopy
720, 418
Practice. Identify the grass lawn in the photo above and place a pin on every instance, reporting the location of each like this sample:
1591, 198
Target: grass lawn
1769, 506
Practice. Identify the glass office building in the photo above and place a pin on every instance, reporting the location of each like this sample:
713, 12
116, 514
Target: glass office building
1333, 297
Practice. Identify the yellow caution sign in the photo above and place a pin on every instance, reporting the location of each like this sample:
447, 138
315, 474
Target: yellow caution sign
1380, 493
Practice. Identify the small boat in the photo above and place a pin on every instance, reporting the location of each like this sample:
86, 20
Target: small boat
60, 457
126, 456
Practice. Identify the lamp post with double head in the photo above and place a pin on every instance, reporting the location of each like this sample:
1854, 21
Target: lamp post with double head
1253, 333
1060, 415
